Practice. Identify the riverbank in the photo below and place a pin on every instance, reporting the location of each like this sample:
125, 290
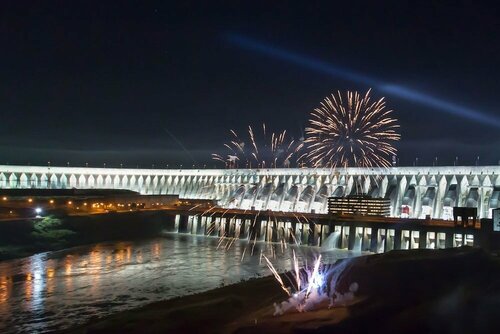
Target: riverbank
416, 291
25, 237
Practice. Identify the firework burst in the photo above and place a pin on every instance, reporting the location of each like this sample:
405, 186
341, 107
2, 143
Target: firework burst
268, 150
351, 131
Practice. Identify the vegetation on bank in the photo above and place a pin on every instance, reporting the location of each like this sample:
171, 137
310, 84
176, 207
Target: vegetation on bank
49, 231
46, 234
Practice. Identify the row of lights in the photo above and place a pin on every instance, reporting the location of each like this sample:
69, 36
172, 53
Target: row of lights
38, 210
97, 205
121, 165
30, 200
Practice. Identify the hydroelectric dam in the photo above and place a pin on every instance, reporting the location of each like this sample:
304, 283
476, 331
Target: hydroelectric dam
414, 192
264, 204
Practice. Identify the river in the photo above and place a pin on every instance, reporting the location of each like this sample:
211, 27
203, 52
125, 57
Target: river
57, 290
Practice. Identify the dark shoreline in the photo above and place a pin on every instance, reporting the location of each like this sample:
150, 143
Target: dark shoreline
17, 241
190, 313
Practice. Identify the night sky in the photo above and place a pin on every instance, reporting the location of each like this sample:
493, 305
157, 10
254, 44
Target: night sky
142, 83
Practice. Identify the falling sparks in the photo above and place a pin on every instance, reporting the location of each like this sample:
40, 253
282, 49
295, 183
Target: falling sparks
276, 275
315, 286
351, 131
271, 150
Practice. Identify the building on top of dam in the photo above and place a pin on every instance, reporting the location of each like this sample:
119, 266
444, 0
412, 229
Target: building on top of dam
414, 192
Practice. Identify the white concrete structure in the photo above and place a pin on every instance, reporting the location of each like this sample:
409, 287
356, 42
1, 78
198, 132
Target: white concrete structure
414, 191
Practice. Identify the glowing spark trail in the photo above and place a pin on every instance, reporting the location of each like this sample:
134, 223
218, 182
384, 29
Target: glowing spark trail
351, 131
276, 275
271, 150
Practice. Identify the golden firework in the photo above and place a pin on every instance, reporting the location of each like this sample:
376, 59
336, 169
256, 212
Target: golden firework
351, 130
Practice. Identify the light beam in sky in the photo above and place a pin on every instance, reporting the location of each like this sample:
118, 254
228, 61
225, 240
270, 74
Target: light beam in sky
336, 71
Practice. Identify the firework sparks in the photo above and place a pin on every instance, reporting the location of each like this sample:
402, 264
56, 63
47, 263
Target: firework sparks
307, 292
276, 275
271, 150
351, 131
312, 287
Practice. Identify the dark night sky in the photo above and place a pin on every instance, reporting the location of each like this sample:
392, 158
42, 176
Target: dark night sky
104, 82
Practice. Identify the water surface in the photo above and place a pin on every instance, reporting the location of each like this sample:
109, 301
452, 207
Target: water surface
57, 290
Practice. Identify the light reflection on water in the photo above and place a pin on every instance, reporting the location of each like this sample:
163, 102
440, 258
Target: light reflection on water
52, 291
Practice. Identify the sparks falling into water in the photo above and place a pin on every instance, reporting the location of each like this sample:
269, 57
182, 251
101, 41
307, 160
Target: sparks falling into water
351, 131
269, 150
313, 286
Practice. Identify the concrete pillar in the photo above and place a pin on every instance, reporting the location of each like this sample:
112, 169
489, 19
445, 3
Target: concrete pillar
289, 232
176, 223
224, 227
202, 225
237, 228
314, 234
269, 231
208, 224
246, 228
230, 227
214, 226
241, 223
254, 228
305, 234
343, 243
294, 231
325, 231
275, 231
194, 225
449, 239
366, 240
262, 226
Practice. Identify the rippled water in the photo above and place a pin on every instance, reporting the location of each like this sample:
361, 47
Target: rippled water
57, 290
